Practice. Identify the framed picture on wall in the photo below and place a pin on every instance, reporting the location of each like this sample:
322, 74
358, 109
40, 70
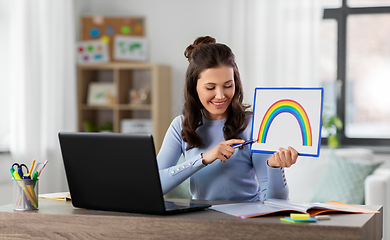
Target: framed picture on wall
130, 48
101, 94
92, 52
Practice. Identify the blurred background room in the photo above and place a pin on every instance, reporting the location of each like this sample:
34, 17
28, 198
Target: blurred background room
341, 45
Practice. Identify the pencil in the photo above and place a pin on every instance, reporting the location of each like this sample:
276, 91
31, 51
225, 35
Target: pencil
32, 167
44, 164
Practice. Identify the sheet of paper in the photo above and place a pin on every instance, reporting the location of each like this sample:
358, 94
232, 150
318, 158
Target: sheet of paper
94, 51
284, 117
245, 210
56, 196
127, 48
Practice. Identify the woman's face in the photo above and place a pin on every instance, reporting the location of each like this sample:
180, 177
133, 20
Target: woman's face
216, 89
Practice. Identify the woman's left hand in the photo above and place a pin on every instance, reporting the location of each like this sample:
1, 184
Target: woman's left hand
283, 158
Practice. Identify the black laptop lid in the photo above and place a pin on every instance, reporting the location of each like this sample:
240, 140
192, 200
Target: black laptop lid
112, 171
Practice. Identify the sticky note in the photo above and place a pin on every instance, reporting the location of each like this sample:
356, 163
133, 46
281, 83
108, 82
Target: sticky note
288, 219
323, 217
296, 216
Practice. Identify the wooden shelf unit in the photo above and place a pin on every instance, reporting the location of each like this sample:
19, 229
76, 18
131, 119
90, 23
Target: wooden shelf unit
125, 77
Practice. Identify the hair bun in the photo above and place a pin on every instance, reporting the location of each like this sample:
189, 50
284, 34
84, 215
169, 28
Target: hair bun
197, 43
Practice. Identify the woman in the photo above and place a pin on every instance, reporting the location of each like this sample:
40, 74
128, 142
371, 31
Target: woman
213, 120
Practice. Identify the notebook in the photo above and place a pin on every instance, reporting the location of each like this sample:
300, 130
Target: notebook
116, 172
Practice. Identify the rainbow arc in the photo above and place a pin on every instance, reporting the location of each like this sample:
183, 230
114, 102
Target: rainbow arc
286, 106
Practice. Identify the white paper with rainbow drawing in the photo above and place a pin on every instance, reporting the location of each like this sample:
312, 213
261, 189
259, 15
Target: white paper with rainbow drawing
285, 117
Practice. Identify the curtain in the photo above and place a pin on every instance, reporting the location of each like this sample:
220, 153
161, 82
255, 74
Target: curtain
4, 83
42, 84
276, 42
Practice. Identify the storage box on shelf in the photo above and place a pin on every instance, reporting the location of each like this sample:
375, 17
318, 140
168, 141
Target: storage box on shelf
152, 79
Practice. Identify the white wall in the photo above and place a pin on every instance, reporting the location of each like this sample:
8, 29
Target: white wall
171, 25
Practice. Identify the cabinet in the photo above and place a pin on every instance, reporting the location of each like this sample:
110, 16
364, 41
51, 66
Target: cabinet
126, 77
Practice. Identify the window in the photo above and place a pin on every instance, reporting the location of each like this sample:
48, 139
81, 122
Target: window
355, 72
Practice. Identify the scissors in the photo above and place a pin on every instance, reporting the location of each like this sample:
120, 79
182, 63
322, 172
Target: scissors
20, 170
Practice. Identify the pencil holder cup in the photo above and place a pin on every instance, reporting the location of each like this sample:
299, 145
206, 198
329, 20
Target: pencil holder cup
25, 194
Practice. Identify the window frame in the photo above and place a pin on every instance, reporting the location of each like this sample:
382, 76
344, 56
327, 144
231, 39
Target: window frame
340, 15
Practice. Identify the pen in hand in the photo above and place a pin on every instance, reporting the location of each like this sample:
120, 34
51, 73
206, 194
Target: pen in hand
245, 143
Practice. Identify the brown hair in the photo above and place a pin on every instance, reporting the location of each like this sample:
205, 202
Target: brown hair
203, 54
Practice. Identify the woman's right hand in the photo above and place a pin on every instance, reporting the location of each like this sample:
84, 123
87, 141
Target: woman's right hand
222, 151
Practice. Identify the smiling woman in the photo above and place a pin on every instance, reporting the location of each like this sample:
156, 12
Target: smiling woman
215, 90
212, 64
214, 120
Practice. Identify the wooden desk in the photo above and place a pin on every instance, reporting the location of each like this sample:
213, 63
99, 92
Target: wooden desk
60, 220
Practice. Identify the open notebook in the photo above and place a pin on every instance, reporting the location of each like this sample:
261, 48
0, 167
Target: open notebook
115, 172
256, 209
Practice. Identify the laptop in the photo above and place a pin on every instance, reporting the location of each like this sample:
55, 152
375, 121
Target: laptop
116, 172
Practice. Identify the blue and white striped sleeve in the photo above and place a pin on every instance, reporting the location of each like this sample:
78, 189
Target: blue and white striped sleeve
171, 173
272, 181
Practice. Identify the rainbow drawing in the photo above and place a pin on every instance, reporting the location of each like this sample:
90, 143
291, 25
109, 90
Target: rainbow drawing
287, 106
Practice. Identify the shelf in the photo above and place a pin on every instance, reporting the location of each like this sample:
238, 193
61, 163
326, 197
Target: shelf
134, 107
92, 107
118, 107
127, 77
118, 65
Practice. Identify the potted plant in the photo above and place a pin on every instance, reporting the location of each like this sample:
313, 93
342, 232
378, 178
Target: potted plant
106, 126
331, 124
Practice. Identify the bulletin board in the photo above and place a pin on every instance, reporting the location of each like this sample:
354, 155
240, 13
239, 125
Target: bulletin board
106, 28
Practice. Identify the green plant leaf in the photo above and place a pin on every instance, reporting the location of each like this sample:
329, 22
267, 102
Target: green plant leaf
333, 141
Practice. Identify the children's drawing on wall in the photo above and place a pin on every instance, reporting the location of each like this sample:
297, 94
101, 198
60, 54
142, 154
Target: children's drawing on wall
130, 48
106, 28
101, 94
94, 51
284, 117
